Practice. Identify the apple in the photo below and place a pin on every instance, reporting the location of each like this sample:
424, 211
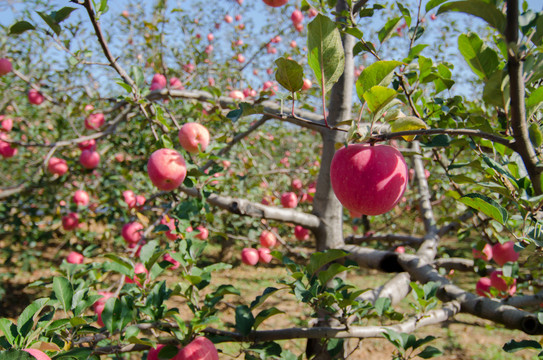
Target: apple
312, 12
171, 225
81, 198
307, 84
87, 145
485, 254
301, 233
433, 17
193, 137
57, 166
503, 253
75, 258
482, 288
94, 121
240, 58
238, 17
166, 169
498, 282
267, 239
228, 19
70, 221
139, 268
400, 250
140, 200
249, 256
129, 198
175, 263
264, 255
368, 179
38, 354
200, 348
204, 233
293, 44
275, 3
210, 37
297, 17
35, 97
89, 159
296, 184
7, 124
158, 82
99, 305
237, 95
289, 200
131, 232
176, 84
5, 66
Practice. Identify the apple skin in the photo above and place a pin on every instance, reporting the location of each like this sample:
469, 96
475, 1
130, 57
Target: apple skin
166, 169
296, 184
81, 198
193, 136
297, 17
503, 253
497, 282
7, 124
485, 254
204, 233
5, 66
158, 82
200, 348
264, 255
289, 200
171, 224
70, 221
367, 179
75, 258
139, 268
175, 263
94, 121
35, 97
89, 159
267, 239
87, 145
38, 354
176, 84
129, 198
482, 288
301, 233
57, 166
131, 232
307, 84
275, 3
6, 149
249, 256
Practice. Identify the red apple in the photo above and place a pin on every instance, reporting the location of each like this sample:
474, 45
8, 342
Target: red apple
503, 253
368, 179
289, 200
131, 232
297, 17
240, 58
264, 255
75, 258
94, 121
296, 184
140, 200
139, 268
38, 354
193, 137
210, 37
400, 249
249, 256
5, 66
485, 254
129, 198
267, 239
498, 282
175, 263
204, 233
87, 145
7, 150
228, 19
81, 198
158, 82
166, 169
483, 287
7, 124
237, 95
89, 159
301, 233
200, 348
99, 305
170, 224
70, 221
176, 84
312, 12
35, 97
57, 166
275, 3
307, 84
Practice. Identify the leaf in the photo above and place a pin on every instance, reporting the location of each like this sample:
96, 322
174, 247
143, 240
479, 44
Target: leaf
379, 96
20, 27
25, 322
111, 315
331, 272
148, 250
319, 259
415, 51
382, 305
408, 123
16, 355
325, 51
429, 352
481, 59
387, 30
261, 298
265, 314
493, 92
245, 109
137, 74
375, 74
536, 137
514, 346
63, 291
534, 101
50, 21
485, 205
480, 9
76, 353
289, 74
62, 14
8, 329
244, 319
432, 4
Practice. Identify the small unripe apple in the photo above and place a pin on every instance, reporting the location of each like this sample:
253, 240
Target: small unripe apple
158, 82
307, 84
297, 17
249, 256
482, 288
70, 221
204, 233
368, 179
57, 166
200, 348
498, 282
301, 233
131, 232
81, 198
75, 258
236, 94
5, 66
193, 137
166, 169
38, 354
275, 3
94, 121
210, 37
267, 239
35, 97
312, 12
264, 255
240, 58
289, 200
503, 253
485, 254
228, 19
89, 159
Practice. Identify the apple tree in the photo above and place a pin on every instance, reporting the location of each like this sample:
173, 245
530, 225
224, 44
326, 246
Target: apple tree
345, 136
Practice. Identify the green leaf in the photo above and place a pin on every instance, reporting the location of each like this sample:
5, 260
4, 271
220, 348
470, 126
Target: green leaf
244, 319
111, 315
432, 4
63, 291
265, 314
325, 51
289, 74
261, 298
148, 250
485, 205
414, 52
331, 272
379, 96
382, 305
8, 329
481, 59
387, 30
245, 109
493, 92
514, 346
536, 137
406, 123
25, 322
137, 74
62, 14
50, 21
16, 355
319, 259
125, 264
20, 27
76, 353
378, 73
534, 101
124, 85
480, 9
429, 352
